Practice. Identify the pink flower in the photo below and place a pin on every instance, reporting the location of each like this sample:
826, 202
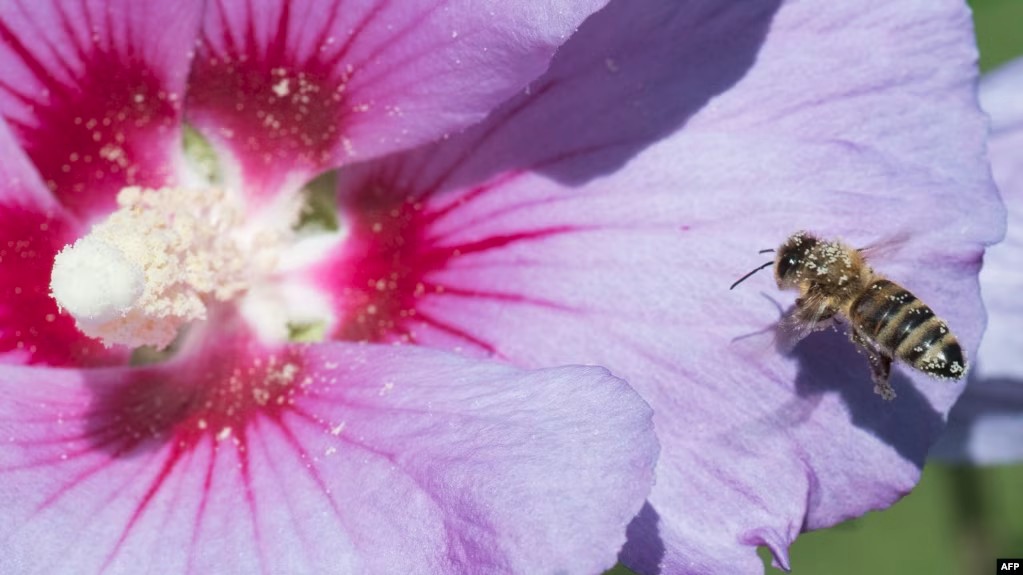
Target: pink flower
596, 218
601, 216
236, 449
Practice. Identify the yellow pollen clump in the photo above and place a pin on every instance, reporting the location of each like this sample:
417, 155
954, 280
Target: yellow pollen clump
157, 262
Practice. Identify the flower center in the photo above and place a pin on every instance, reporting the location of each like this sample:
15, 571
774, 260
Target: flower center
159, 261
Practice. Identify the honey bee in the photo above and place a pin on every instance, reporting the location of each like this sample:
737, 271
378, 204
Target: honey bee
885, 320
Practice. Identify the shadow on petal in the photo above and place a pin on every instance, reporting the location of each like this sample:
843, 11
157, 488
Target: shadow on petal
666, 63
209, 396
628, 78
828, 361
643, 546
137, 411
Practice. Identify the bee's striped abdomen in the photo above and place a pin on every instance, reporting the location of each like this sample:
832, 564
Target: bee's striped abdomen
904, 327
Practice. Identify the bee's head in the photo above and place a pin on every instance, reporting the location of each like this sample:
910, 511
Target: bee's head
791, 257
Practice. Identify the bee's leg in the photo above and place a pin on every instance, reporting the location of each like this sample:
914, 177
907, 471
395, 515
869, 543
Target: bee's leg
881, 371
880, 365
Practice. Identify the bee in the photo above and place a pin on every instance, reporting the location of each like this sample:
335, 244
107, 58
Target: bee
885, 321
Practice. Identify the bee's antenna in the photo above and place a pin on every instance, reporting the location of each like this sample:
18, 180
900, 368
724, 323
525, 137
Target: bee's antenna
767, 251
743, 278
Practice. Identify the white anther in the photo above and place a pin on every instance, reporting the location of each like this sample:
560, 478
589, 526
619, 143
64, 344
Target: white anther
157, 262
95, 282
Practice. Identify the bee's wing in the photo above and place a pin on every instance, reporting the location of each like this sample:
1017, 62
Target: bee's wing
810, 314
885, 247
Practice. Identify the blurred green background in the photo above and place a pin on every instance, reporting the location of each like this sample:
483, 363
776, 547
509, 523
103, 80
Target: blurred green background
959, 519
999, 25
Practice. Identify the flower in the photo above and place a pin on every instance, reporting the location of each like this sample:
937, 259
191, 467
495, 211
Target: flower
223, 446
986, 425
601, 216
